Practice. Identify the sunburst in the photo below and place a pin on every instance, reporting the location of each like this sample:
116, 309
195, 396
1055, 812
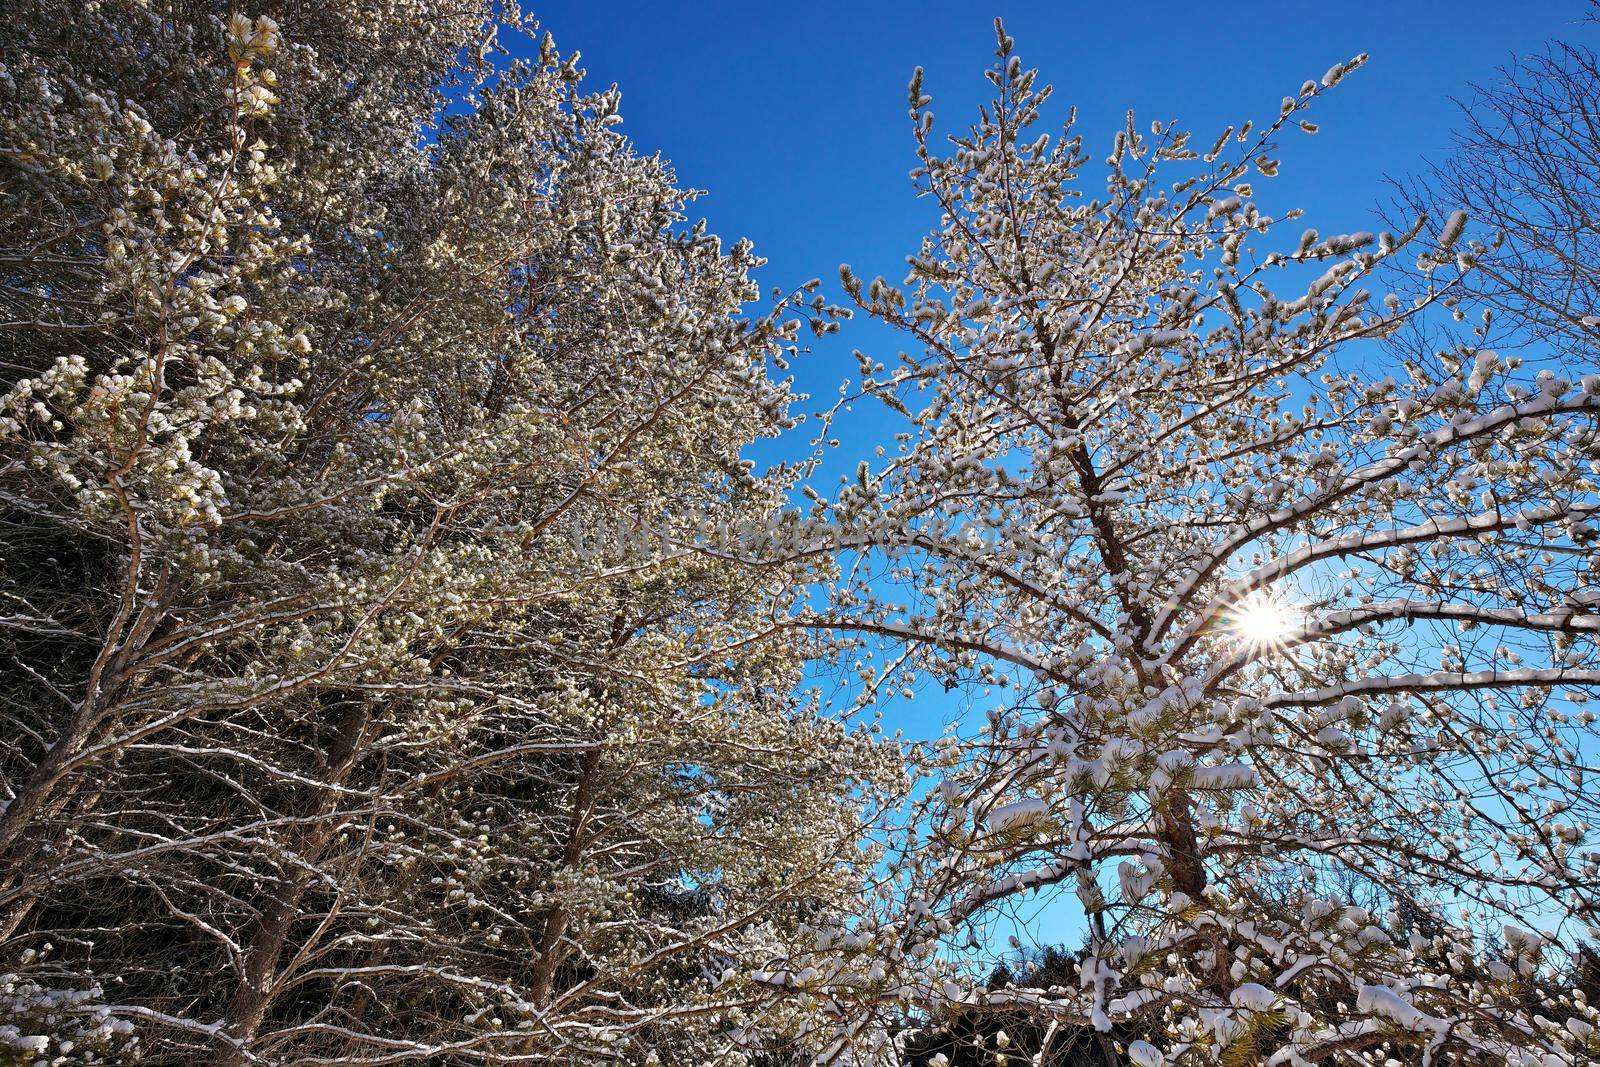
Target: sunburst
1263, 620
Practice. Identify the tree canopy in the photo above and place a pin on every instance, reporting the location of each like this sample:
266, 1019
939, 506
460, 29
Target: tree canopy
405, 661
345, 722
1286, 640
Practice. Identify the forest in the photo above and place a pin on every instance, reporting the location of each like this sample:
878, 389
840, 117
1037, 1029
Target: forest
433, 628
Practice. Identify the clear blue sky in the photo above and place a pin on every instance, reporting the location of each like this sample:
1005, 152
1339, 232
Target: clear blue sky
793, 116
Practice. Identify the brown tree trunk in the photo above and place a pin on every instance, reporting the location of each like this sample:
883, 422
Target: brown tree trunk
1184, 862
257, 985
557, 918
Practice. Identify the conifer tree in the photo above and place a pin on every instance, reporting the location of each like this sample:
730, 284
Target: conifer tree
360, 704
1285, 646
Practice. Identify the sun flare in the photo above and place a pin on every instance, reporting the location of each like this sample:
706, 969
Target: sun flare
1263, 621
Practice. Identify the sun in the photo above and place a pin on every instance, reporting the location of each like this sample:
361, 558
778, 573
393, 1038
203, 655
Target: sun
1262, 621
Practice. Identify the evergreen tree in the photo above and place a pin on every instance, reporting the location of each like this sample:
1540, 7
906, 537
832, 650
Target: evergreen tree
364, 399
1280, 638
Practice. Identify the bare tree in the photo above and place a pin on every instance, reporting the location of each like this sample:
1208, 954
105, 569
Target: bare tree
1526, 167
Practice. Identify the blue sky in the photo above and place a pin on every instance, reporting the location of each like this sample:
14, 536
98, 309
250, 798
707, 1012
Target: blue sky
793, 118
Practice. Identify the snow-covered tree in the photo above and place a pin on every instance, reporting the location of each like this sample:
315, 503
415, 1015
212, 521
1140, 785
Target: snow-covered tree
360, 705
1285, 645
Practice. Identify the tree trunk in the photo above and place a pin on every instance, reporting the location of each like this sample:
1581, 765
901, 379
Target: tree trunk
1184, 861
558, 917
257, 986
